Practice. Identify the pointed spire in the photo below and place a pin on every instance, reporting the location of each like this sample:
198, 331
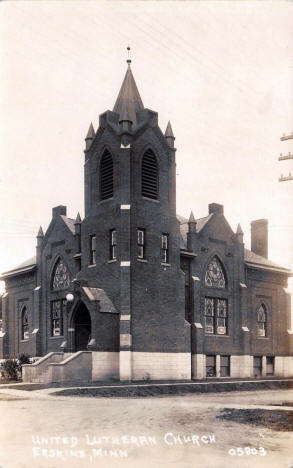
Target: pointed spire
191, 218
78, 219
192, 223
239, 230
169, 135
40, 238
40, 233
239, 234
90, 133
77, 226
169, 131
129, 101
90, 136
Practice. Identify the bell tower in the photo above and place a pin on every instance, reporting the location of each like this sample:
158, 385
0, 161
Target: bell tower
130, 211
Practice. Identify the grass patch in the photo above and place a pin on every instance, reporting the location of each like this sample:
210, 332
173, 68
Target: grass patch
276, 420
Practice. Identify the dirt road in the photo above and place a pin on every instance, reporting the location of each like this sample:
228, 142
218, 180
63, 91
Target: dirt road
171, 431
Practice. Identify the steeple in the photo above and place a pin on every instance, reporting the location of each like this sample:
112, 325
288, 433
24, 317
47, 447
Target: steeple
129, 101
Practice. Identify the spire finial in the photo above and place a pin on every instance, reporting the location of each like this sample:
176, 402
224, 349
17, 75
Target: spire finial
128, 56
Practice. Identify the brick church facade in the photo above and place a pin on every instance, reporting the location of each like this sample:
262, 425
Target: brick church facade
134, 291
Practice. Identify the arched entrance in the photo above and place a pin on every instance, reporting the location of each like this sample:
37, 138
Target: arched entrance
82, 325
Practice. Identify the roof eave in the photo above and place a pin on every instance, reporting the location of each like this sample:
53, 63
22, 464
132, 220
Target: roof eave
8, 274
257, 266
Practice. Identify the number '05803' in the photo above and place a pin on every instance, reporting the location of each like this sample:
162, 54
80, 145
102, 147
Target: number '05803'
246, 451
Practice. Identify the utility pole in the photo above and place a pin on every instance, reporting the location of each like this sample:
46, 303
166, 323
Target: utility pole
284, 157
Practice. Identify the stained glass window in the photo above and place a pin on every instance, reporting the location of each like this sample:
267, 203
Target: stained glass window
261, 320
24, 324
216, 316
57, 308
209, 315
61, 279
214, 276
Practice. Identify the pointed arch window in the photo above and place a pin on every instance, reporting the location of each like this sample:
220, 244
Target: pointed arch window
215, 276
24, 324
106, 176
262, 320
149, 175
61, 278
216, 306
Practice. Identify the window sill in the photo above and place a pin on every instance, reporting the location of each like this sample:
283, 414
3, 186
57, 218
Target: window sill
56, 337
151, 199
215, 336
142, 260
165, 264
92, 265
113, 260
105, 201
24, 341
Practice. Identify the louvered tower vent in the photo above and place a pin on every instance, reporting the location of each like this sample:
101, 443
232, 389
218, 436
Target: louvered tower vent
149, 175
106, 176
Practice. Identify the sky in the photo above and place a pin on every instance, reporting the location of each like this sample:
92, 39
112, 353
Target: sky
221, 72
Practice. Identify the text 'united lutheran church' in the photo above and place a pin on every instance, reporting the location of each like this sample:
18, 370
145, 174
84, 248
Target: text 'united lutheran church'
135, 291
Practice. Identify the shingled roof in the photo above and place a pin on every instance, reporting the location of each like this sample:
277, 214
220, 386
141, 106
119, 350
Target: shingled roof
28, 265
200, 223
251, 259
129, 101
69, 223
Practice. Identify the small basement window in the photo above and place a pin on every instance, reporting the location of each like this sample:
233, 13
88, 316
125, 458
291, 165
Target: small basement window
225, 366
211, 366
257, 366
270, 367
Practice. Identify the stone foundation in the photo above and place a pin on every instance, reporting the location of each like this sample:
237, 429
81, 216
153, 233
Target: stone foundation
241, 366
198, 362
105, 365
161, 366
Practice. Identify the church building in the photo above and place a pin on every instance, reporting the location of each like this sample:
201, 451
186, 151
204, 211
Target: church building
136, 292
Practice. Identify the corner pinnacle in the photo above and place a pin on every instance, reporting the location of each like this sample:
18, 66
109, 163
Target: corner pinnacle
191, 218
40, 233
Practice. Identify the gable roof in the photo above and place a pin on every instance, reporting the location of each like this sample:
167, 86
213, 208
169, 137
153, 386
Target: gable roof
30, 264
200, 223
251, 259
257, 261
69, 223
